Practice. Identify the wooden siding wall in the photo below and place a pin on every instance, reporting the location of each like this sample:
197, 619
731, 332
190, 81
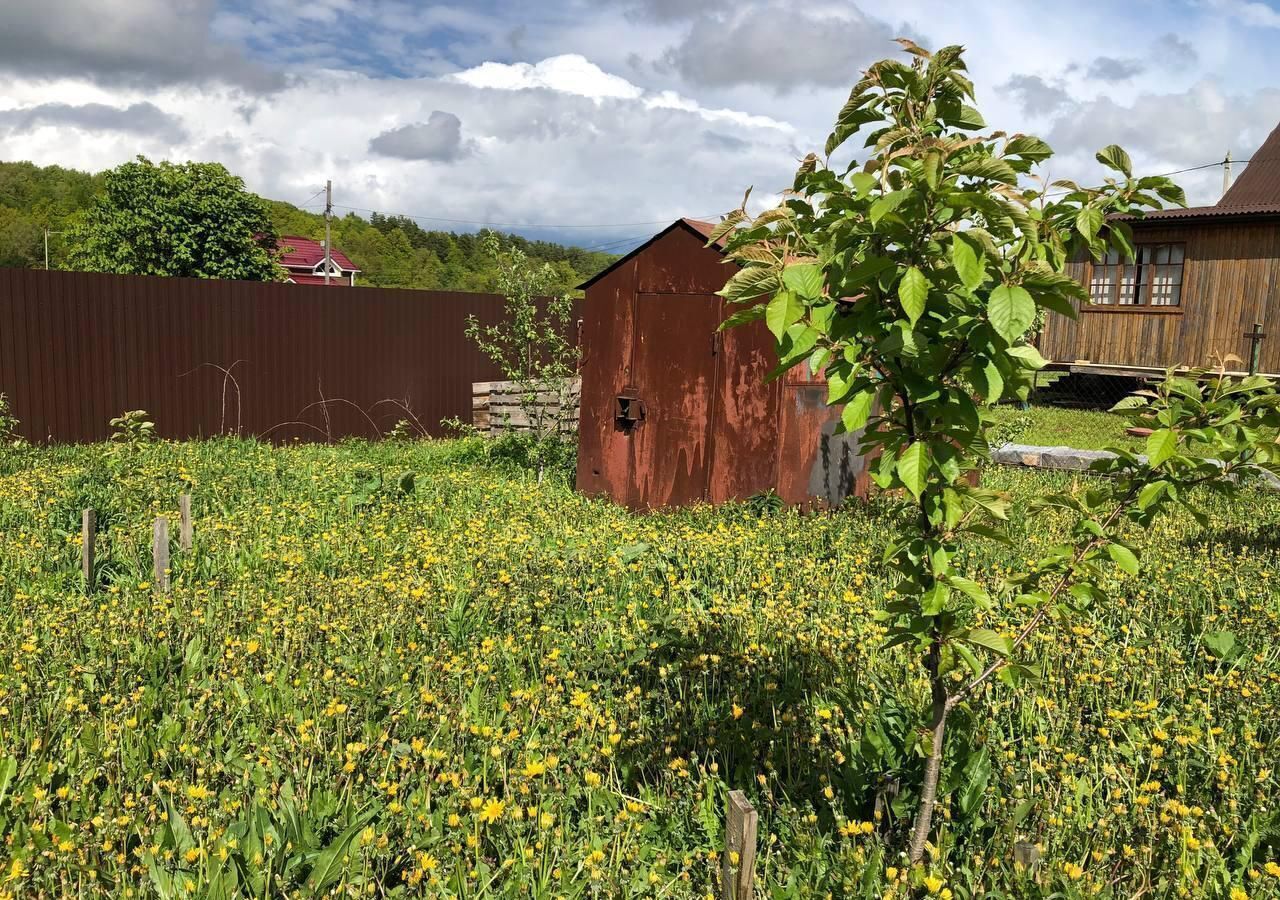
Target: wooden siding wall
1231, 279
77, 349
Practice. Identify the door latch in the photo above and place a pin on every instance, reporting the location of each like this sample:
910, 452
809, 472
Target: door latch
628, 410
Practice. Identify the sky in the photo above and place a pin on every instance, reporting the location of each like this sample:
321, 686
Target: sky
593, 122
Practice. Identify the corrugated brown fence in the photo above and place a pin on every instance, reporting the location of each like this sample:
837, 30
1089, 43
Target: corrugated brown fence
77, 349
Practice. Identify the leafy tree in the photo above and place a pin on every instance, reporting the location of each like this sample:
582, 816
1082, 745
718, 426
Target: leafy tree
533, 345
911, 280
189, 219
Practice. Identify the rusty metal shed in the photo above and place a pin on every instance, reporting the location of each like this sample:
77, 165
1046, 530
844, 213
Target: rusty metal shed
675, 412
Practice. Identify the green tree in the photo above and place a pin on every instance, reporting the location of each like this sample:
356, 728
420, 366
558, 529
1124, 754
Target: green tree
533, 345
190, 219
911, 280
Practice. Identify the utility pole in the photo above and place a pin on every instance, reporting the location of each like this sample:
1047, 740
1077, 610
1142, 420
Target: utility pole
328, 216
47, 232
1226, 173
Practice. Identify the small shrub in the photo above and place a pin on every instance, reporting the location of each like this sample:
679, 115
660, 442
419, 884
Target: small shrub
133, 427
8, 422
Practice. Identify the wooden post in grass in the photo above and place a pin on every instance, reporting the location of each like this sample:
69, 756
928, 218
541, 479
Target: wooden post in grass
738, 865
88, 536
160, 554
185, 531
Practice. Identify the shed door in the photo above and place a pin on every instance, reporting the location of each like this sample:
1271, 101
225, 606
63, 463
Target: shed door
674, 370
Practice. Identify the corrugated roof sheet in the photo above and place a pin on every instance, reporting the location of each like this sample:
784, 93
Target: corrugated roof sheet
1176, 214
1255, 194
1259, 183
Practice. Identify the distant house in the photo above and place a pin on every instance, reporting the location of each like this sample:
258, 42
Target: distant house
1200, 280
303, 258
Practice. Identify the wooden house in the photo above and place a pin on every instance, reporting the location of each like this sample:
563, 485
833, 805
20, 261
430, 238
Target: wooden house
674, 411
1202, 278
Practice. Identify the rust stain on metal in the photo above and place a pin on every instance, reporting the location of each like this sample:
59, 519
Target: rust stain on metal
712, 429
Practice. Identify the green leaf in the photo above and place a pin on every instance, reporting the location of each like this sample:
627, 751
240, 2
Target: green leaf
1151, 493
1123, 557
988, 381
329, 866
977, 774
805, 280
743, 316
912, 466
913, 292
856, 412
1028, 356
8, 768
1220, 643
1011, 311
985, 637
406, 482
784, 310
1113, 157
1027, 147
887, 204
1089, 222
971, 589
1161, 445
934, 600
965, 259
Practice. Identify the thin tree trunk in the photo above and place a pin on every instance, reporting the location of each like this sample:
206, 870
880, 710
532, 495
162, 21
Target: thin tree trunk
933, 767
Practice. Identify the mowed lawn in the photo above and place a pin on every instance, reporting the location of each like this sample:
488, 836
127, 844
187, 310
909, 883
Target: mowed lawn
402, 670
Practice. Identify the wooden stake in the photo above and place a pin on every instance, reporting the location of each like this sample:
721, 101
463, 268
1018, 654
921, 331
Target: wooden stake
185, 530
160, 554
88, 535
737, 879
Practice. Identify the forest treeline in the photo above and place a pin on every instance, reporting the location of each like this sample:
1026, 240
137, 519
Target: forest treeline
392, 251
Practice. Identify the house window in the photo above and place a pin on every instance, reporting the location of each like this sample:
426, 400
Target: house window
1153, 278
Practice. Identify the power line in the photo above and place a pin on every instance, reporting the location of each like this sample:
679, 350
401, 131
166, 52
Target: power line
307, 201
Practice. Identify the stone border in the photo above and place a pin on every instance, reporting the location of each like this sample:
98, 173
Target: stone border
1070, 459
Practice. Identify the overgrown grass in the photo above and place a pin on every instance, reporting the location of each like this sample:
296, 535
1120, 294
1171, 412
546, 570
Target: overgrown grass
1053, 426
469, 684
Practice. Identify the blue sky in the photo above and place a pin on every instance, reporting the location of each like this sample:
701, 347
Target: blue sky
611, 115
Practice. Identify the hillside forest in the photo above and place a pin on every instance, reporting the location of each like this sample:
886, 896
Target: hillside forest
392, 251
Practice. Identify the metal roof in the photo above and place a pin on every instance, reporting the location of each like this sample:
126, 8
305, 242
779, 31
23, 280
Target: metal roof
1259, 183
1254, 195
304, 253
697, 226
1177, 214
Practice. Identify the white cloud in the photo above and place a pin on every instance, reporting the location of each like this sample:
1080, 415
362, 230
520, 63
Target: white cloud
576, 75
1250, 12
570, 73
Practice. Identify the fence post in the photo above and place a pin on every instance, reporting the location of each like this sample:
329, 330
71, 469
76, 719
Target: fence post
738, 865
1255, 347
88, 537
160, 554
185, 531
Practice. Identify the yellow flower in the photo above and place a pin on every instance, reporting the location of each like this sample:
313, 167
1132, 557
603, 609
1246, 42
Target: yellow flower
533, 769
933, 884
592, 779
492, 811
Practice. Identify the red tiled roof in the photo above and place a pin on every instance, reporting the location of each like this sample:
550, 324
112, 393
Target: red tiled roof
304, 253
334, 280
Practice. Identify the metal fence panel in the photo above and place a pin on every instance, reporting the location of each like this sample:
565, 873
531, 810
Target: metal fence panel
79, 348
